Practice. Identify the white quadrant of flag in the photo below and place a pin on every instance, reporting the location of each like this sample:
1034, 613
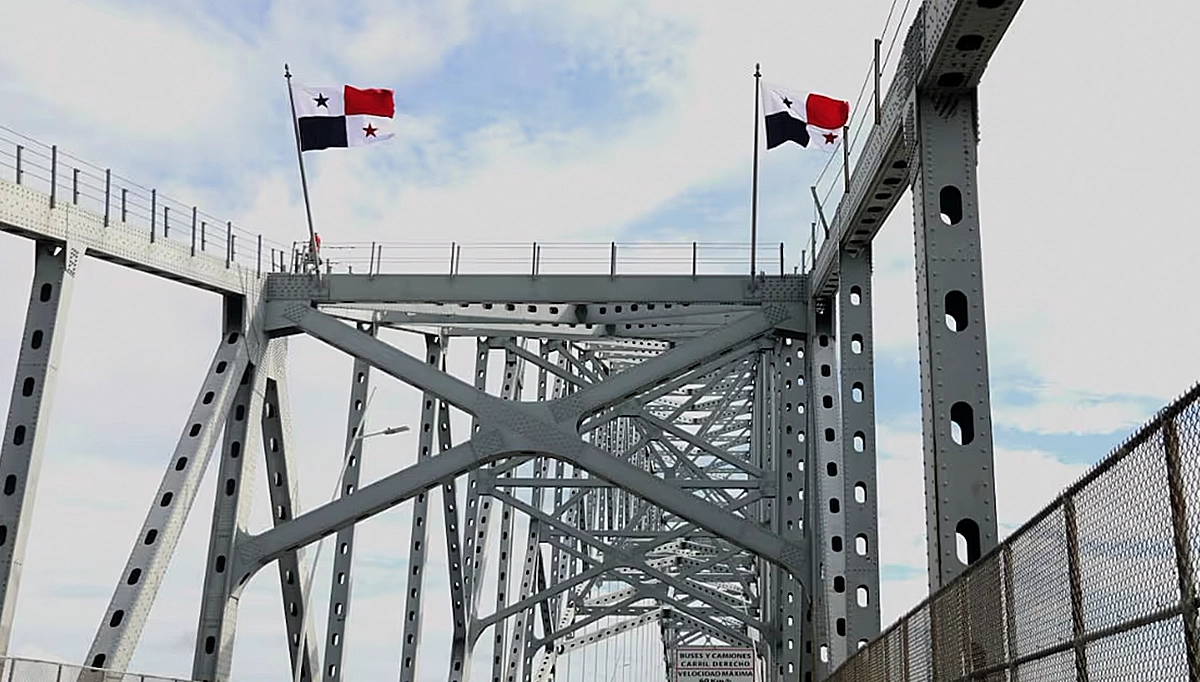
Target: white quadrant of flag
343, 116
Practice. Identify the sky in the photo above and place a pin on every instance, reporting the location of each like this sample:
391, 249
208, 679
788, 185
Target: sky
627, 121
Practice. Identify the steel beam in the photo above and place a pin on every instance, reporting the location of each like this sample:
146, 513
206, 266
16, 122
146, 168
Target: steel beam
956, 414
419, 533
213, 655
29, 413
946, 50
343, 556
829, 521
859, 495
27, 212
284, 495
787, 371
541, 290
454, 557
129, 607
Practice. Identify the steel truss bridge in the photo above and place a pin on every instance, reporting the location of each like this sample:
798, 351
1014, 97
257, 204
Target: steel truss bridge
686, 457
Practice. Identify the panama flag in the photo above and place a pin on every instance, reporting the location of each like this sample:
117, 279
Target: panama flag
343, 116
810, 120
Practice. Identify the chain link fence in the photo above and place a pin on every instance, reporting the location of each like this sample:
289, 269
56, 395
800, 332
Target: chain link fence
32, 670
1101, 585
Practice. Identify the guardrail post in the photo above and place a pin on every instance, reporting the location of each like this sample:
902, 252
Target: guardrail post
612, 267
20, 170
453, 250
534, 260
194, 211
259, 267
228, 243
75, 186
124, 203
107, 193
1183, 545
153, 213
1078, 629
693, 260
53, 175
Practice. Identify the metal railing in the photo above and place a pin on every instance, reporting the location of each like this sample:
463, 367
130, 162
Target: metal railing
1101, 585
67, 179
33, 670
548, 258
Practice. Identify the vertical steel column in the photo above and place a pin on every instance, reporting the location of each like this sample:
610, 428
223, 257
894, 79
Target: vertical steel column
129, 607
789, 372
956, 414
417, 538
454, 557
829, 521
859, 495
477, 505
282, 485
524, 632
28, 413
514, 367
343, 554
235, 485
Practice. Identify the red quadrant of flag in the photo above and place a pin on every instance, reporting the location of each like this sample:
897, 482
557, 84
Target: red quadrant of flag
823, 112
369, 102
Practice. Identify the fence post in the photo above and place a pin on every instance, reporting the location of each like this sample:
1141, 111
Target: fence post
1183, 556
781, 259
612, 265
53, 175
878, 74
259, 267
20, 170
166, 221
124, 203
75, 186
153, 213
228, 242
194, 230
453, 249
693, 260
1010, 616
534, 259
107, 193
1078, 629
58, 674
203, 233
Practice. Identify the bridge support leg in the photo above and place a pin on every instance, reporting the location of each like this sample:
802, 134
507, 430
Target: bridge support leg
129, 607
828, 531
285, 501
343, 554
956, 413
235, 484
858, 449
786, 376
28, 412
420, 524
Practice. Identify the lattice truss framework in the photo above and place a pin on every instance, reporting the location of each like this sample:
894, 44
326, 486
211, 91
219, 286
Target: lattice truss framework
695, 454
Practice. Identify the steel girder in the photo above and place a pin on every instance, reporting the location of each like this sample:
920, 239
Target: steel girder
129, 607
859, 494
29, 411
342, 580
956, 413
284, 495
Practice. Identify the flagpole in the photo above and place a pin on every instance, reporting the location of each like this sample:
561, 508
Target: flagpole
312, 233
754, 189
